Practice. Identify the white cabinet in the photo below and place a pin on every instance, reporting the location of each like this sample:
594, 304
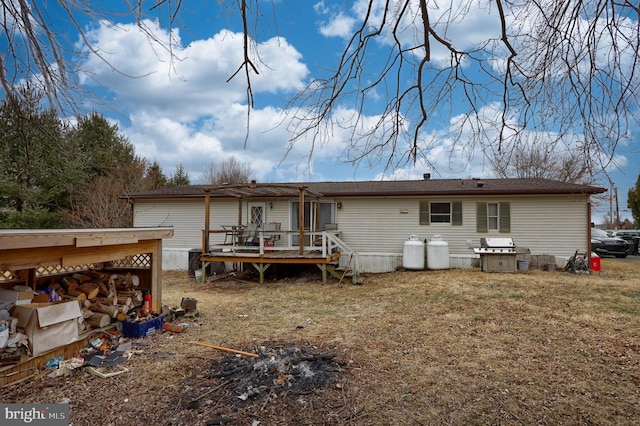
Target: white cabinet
498, 262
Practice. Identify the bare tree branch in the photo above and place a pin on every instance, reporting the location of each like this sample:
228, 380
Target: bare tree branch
561, 67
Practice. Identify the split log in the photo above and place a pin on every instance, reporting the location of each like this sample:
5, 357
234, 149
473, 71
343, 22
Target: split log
124, 300
132, 280
135, 295
84, 303
111, 284
106, 300
90, 289
101, 275
98, 320
111, 310
68, 283
121, 316
104, 290
76, 294
86, 312
81, 278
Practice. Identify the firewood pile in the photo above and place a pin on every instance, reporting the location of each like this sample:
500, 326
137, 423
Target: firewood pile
103, 297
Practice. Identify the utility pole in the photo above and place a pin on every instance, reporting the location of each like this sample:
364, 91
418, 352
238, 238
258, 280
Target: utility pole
617, 210
610, 200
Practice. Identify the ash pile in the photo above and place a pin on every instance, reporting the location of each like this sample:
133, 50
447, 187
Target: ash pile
276, 373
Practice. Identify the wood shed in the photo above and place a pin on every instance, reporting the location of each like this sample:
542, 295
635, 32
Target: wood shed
33, 262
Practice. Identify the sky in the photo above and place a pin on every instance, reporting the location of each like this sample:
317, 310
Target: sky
182, 107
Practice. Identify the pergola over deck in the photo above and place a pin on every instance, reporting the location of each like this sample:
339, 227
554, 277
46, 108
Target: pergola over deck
325, 253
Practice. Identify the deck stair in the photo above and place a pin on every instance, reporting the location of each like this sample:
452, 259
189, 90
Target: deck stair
343, 274
349, 272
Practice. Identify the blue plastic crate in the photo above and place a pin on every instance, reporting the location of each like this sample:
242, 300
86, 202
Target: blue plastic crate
142, 329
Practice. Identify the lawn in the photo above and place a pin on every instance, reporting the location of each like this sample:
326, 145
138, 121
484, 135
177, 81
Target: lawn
414, 348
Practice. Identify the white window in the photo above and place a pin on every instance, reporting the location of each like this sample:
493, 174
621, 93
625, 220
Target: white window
492, 216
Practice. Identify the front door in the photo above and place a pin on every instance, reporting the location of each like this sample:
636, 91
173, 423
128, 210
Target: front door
255, 214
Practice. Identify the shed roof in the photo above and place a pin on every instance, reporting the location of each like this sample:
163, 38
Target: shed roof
424, 187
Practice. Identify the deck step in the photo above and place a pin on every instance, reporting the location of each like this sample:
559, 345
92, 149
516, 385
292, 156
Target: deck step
344, 274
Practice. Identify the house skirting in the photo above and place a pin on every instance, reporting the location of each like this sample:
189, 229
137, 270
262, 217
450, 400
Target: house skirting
368, 262
372, 262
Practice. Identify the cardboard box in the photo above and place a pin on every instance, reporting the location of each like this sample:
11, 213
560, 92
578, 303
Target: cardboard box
48, 325
20, 297
142, 329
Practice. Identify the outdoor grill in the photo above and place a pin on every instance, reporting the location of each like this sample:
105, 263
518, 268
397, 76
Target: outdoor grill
497, 254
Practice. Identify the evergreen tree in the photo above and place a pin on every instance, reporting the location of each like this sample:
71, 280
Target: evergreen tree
154, 178
633, 202
179, 177
34, 164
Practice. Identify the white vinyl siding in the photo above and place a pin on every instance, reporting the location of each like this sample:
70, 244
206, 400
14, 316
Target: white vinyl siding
187, 218
383, 224
546, 224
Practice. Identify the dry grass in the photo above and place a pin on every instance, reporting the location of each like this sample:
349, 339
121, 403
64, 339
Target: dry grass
418, 348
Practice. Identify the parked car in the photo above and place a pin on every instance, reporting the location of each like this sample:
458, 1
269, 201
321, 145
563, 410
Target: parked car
633, 238
604, 245
627, 233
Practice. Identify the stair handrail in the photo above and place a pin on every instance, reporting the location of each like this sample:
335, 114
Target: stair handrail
333, 240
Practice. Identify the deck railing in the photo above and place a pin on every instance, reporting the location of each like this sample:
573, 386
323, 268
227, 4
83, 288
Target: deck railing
267, 242
272, 241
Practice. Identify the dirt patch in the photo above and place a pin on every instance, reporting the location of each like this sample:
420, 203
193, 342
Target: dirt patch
423, 347
245, 389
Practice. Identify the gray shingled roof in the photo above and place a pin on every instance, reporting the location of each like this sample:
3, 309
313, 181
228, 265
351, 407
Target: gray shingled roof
379, 188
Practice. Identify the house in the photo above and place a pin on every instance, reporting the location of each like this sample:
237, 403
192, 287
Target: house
375, 218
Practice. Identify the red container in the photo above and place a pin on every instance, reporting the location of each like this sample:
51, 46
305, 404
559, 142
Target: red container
147, 302
595, 262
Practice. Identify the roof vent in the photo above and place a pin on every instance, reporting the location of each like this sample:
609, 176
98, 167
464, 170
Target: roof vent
426, 176
480, 184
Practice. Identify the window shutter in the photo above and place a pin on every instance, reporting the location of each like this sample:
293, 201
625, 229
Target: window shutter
505, 217
482, 224
424, 213
456, 214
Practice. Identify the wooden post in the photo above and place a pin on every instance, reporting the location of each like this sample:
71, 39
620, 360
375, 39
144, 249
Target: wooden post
207, 212
156, 276
589, 232
301, 223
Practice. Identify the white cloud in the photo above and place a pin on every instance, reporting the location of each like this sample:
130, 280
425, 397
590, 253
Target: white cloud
181, 108
463, 23
339, 25
185, 111
186, 82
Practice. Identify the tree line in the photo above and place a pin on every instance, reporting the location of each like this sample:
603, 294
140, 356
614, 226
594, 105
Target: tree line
58, 174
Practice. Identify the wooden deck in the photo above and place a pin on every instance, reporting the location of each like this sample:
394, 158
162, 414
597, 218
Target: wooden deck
263, 259
324, 252
270, 256
224, 243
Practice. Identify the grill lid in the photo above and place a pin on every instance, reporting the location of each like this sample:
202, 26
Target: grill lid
496, 245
